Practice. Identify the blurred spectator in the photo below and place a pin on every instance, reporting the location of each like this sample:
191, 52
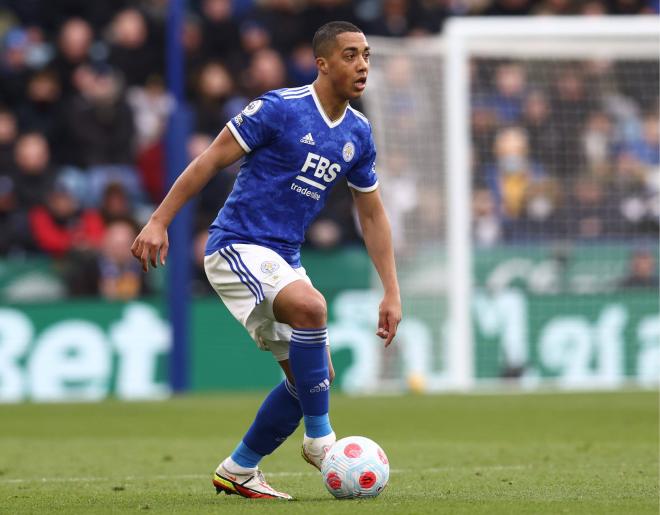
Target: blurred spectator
593, 8
486, 226
14, 228
544, 140
33, 175
513, 172
215, 87
589, 214
429, 16
320, 12
74, 47
44, 111
637, 193
191, 40
8, 134
53, 14
120, 276
131, 51
555, 7
254, 37
266, 72
101, 122
541, 213
597, 144
484, 125
508, 8
393, 19
570, 103
151, 105
13, 66
62, 226
510, 88
642, 272
301, 66
400, 197
646, 148
115, 204
220, 35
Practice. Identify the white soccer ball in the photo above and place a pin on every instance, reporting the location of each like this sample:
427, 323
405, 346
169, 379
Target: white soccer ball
355, 467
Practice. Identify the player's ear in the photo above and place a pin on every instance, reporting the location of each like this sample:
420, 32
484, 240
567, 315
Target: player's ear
322, 65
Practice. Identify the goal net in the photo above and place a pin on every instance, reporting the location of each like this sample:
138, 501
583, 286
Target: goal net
520, 168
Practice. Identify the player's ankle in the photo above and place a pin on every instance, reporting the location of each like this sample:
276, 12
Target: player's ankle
234, 468
317, 426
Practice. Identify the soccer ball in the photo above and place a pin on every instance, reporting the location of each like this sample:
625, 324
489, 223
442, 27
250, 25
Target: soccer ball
355, 467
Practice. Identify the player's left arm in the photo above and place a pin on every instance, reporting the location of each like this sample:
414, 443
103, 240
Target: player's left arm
378, 239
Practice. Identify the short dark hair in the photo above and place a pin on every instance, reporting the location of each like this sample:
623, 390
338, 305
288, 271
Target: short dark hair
327, 34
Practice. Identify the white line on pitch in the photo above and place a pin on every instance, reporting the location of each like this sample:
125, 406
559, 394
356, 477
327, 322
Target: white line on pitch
269, 474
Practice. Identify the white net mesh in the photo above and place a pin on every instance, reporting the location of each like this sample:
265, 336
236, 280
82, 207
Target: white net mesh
404, 104
566, 177
565, 168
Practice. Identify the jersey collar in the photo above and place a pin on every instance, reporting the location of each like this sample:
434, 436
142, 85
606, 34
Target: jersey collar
321, 111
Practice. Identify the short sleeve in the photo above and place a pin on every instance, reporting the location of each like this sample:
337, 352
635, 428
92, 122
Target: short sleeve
362, 177
259, 123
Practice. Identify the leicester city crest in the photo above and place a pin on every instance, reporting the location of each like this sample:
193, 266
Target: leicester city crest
348, 151
268, 267
253, 107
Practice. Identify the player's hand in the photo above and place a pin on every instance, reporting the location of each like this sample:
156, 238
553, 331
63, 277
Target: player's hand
151, 242
389, 316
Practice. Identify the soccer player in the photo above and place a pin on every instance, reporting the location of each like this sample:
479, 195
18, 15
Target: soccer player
298, 143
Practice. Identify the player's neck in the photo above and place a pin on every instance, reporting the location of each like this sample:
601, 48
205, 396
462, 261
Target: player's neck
333, 105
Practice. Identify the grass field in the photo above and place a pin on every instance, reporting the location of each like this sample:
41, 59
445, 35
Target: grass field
538, 454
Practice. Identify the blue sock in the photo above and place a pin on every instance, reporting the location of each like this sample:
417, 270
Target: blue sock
308, 359
278, 417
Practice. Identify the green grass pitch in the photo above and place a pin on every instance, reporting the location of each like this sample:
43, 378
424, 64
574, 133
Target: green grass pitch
456, 454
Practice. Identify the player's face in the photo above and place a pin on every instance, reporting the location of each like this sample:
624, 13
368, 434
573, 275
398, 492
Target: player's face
348, 65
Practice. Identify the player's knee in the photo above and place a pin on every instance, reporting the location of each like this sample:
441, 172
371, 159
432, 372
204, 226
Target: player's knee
311, 313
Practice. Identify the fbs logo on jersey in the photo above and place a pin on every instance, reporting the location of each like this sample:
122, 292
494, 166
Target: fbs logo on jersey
308, 139
348, 151
253, 107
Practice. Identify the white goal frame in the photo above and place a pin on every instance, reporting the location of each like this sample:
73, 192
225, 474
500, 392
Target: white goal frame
529, 38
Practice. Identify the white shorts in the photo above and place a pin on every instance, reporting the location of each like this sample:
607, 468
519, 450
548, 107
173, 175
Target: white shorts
248, 278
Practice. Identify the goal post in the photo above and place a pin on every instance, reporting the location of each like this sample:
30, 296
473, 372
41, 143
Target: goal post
443, 263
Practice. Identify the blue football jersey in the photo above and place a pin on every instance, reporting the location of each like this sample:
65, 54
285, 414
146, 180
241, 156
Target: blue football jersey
295, 155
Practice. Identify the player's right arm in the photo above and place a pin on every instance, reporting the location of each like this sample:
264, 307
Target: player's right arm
153, 240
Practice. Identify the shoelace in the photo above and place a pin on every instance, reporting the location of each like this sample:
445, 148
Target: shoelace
262, 480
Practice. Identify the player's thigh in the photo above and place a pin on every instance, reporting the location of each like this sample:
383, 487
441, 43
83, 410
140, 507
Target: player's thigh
248, 278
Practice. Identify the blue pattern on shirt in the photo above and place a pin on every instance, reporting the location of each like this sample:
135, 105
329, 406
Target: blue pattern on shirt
280, 188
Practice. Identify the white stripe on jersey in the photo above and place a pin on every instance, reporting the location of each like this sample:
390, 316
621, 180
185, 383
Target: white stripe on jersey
358, 114
238, 137
295, 90
363, 190
290, 97
296, 93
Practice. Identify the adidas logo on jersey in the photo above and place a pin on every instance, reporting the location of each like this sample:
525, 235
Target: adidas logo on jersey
307, 139
321, 387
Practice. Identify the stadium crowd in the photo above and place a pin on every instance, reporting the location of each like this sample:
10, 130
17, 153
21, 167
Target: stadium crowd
83, 108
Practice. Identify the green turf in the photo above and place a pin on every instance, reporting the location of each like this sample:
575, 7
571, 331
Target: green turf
533, 454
